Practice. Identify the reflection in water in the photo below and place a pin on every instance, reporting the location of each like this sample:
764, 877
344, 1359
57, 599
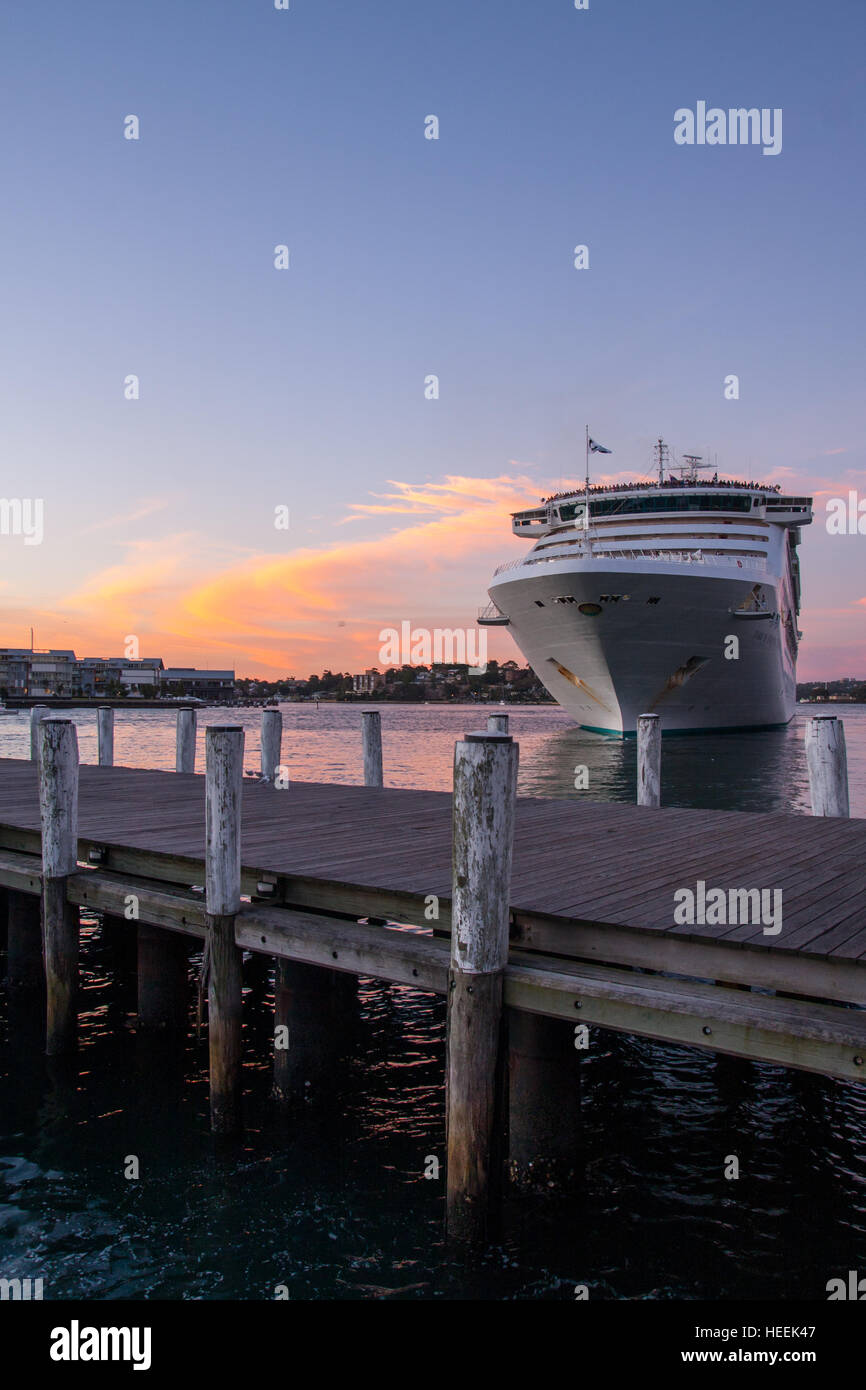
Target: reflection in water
733, 772
331, 1200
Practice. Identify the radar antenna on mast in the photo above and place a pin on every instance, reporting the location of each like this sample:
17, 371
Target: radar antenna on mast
690, 467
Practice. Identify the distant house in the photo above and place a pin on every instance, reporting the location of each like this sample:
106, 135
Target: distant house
24, 671
203, 685
99, 674
15, 670
58, 672
370, 680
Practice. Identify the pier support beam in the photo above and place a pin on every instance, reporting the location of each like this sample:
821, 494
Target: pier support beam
37, 714
163, 965
543, 1100
24, 965
827, 761
105, 735
58, 803
649, 760
485, 783
271, 743
185, 740
372, 726
224, 749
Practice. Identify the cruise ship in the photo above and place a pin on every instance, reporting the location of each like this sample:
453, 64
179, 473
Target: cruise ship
678, 597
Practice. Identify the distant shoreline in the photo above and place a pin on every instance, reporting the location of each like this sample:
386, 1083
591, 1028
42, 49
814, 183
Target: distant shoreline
23, 702
18, 703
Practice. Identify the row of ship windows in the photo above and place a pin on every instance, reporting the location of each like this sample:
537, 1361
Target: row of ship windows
593, 607
603, 534
667, 550
666, 523
697, 541
636, 505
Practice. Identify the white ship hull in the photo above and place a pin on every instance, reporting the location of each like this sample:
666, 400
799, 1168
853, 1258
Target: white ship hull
666, 657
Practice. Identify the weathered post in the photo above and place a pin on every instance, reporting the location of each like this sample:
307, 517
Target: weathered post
497, 723
105, 758
485, 782
827, 761
37, 713
224, 750
185, 750
372, 724
58, 803
649, 760
105, 735
271, 740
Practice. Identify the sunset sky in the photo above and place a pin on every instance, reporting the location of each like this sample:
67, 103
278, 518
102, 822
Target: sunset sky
304, 388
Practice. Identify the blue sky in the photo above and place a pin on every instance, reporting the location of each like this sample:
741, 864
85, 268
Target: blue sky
408, 257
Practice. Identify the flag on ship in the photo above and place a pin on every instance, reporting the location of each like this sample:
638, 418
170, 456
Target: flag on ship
598, 448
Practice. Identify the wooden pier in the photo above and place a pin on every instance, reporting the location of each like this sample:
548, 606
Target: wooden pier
561, 909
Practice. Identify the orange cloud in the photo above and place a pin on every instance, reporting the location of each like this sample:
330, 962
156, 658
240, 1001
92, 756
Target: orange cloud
329, 604
314, 606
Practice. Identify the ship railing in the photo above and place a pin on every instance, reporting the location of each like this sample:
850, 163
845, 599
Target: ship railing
511, 564
750, 562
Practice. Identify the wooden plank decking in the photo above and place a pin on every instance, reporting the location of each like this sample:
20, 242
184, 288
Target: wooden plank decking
592, 892
575, 862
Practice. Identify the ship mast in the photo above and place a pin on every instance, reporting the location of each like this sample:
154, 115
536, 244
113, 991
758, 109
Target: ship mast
662, 453
586, 498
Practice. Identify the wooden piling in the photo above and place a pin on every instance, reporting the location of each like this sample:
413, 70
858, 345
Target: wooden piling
58, 801
37, 713
649, 760
827, 760
306, 1029
271, 743
497, 723
24, 965
372, 726
224, 749
185, 746
163, 966
543, 1101
105, 735
485, 783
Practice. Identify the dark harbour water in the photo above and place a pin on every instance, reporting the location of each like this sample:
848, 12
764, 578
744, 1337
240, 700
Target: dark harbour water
332, 1203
